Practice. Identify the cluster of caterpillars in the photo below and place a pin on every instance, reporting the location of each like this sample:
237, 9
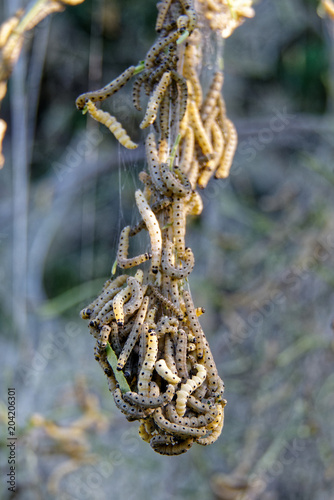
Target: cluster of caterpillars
149, 341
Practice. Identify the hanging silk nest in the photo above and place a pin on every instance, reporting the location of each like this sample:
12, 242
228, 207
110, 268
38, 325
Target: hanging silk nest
149, 340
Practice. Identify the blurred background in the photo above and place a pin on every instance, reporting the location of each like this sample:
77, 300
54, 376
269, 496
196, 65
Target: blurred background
264, 249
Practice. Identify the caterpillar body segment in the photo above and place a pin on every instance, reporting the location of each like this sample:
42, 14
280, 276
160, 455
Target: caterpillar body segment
155, 100
166, 445
107, 91
112, 124
134, 335
164, 372
153, 229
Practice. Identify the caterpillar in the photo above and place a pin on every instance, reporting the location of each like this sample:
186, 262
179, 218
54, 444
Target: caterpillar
200, 133
156, 208
216, 431
212, 95
168, 61
195, 204
112, 124
171, 182
181, 355
153, 165
188, 6
179, 224
200, 421
215, 383
189, 387
134, 335
150, 401
166, 445
167, 303
104, 336
183, 93
122, 255
164, 120
151, 353
193, 173
169, 354
110, 289
188, 146
107, 91
143, 432
153, 229
164, 372
194, 323
176, 429
230, 147
141, 78
158, 47
118, 304
127, 408
155, 100
218, 145
166, 325
137, 294
114, 339
163, 9
170, 269
174, 293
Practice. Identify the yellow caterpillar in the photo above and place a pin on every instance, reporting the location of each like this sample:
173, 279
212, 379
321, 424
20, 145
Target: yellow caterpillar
153, 229
112, 124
